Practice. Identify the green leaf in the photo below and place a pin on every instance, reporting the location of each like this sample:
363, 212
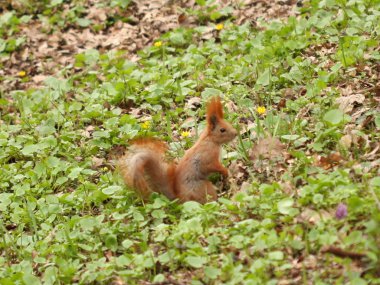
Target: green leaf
57, 84
276, 255
264, 78
336, 67
377, 121
50, 275
285, 206
290, 137
46, 130
375, 182
159, 278
31, 279
164, 258
83, 22
61, 180
191, 207
74, 173
111, 189
335, 117
359, 281
138, 217
158, 203
3, 45
212, 272
87, 223
30, 149
196, 261
55, 2
122, 261
215, 15
210, 92
158, 214
127, 243
318, 198
201, 2
111, 242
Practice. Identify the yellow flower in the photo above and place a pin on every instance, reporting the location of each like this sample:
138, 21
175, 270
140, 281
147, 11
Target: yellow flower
185, 134
145, 125
22, 73
261, 110
219, 27
158, 44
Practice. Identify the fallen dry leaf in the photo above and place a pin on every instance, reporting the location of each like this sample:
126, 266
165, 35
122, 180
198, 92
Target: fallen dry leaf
118, 281
88, 131
374, 152
39, 78
347, 103
231, 107
115, 153
268, 148
346, 141
238, 170
287, 187
136, 112
269, 157
327, 162
309, 215
97, 162
251, 10
193, 103
245, 186
97, 14
108, 255
47, 49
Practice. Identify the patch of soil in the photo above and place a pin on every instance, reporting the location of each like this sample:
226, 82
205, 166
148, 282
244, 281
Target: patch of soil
48, 49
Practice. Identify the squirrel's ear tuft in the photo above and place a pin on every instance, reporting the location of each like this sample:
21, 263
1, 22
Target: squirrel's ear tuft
214, 111
212, 121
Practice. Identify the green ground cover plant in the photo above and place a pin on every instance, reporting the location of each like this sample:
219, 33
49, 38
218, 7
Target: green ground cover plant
311, 216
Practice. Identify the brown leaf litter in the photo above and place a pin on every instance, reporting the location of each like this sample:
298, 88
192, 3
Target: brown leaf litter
50, 49
269, 156
329, 161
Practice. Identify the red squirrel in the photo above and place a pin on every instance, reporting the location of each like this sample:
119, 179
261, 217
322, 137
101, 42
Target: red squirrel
145, 169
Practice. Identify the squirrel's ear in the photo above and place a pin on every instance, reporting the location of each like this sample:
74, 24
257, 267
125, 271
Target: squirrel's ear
211, 121
214, 112
214, 106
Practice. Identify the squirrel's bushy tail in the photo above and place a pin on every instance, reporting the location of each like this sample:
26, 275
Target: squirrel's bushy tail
144, 169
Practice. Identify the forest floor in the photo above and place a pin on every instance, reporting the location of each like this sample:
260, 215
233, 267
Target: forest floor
300, 79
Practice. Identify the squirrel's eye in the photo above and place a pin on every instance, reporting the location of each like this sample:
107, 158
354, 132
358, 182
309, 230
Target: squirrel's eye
222, 130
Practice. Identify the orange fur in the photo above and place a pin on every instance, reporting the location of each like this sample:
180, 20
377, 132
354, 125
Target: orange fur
144, 168
215, 107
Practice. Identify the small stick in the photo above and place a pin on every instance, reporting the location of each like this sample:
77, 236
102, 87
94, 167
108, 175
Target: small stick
342, 253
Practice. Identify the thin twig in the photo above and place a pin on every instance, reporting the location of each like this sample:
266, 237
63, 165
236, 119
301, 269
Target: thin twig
342, 253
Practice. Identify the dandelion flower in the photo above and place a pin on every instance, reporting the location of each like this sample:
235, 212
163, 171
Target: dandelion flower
22, 73
145, 125
261, 110
185, 134
219, 27
158, 44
